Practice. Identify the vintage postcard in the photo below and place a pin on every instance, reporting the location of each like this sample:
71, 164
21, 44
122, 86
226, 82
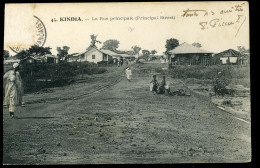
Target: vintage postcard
129, 82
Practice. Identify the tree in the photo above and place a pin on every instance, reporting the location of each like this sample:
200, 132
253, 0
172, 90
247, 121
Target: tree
22, 54
153, 52
242, 50
34, 50
63, 52
93, 41
111, 45
146, 52
195, 44
136, 49
171, 44
6, 54
39, 51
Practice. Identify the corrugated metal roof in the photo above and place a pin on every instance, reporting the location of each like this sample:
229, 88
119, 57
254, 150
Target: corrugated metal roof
50, 55
127, 55
186, 49
109, 52
228, 53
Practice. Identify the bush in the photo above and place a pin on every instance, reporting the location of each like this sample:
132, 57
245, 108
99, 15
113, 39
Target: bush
200, 72
227, 103
40, 75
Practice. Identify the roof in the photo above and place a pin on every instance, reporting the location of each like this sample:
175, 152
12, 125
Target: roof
75, 54
127, 55
109, 52
186, 48
228, 53
10, 61
35, 58
50, 56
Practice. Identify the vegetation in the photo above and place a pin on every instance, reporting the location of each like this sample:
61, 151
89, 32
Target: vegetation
136, 49
93, 41
111, 44
63, 52
153, 52
34, 50
146, 52
43, 75
195, 44
6, 54
229, 74
171, 44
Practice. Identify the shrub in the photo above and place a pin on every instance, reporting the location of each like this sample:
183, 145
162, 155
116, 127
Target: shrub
227, 103
35, 75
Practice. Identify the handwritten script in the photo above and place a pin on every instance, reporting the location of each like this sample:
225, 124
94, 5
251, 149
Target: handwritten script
211, 19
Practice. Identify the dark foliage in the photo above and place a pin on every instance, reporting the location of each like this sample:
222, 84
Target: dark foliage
43, 75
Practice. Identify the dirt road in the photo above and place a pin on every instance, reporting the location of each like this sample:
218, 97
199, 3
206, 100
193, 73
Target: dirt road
124, 123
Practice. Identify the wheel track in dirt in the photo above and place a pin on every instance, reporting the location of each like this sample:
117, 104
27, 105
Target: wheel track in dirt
101, 88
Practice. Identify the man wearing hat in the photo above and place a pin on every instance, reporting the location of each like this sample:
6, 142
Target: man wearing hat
13, 89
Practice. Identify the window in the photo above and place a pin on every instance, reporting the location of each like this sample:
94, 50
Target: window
93, 56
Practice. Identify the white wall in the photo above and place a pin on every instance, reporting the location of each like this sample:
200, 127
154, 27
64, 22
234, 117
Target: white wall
98, 56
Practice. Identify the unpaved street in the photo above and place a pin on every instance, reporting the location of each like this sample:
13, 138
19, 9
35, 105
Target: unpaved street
121, 123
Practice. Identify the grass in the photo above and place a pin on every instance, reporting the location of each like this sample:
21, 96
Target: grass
205, 75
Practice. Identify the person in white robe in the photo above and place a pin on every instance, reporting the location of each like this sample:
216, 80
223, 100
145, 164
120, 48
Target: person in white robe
13, 89
128, 73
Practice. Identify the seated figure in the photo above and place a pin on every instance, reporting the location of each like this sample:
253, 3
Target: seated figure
154, 84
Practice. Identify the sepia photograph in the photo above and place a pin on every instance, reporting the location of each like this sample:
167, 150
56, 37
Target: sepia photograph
126, 83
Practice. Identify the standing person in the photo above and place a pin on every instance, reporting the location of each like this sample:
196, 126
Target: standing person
118, 63
13, 89
154, 84
128, 73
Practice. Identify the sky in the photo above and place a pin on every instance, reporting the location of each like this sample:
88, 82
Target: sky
231, 20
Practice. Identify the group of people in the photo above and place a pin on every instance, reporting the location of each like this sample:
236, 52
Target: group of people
120, 62
156, 87
127, 62
13, 89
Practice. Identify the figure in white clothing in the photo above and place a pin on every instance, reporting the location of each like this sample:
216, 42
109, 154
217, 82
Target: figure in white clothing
13, 89
128, 73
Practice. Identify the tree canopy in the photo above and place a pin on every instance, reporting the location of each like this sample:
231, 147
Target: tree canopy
34, 50
6, 54
153, 52
63, 52
93, 41
111, 44
22, 54
40, 51
243, 50
136, 49
146, 52
171, 44
196, 44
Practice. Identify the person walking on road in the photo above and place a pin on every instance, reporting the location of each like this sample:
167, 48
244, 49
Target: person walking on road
118, 63
13, 89
128, 73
